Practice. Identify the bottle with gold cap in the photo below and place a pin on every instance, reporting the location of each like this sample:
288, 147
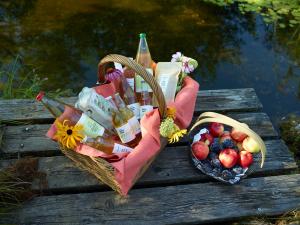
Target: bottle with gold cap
130, 98
122, 125
129, 116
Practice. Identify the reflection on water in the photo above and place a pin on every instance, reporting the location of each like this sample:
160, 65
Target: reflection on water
64, 40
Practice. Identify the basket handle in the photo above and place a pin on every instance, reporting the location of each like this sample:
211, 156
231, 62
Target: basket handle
208, 117
162, 107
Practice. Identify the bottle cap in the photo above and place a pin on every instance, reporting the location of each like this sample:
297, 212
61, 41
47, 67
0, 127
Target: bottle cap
40, 96
142, 35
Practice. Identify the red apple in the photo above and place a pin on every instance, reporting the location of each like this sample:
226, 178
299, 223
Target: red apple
200, 150
228, 157
207, 138
216, 129
238, 135
246, 159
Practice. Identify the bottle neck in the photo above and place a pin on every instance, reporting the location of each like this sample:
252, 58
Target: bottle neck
120, 103
143, 45
55, 108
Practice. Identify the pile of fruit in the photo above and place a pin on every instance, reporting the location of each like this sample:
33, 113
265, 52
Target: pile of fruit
223, 155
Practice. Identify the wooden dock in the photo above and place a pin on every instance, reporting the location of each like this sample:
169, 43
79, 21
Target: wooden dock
172, 191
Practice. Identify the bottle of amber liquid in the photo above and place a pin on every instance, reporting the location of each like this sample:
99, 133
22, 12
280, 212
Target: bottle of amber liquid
130, 98
145, 101
143, 57
122, 126
63, 111
130, 75
129, 116
106, 145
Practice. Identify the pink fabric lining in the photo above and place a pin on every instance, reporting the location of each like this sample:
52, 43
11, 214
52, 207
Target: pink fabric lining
127, 166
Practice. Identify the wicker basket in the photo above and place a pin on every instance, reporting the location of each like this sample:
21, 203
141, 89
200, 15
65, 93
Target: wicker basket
99, 167
208, 117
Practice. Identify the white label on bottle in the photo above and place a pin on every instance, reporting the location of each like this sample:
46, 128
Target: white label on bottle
135, 108
163, 82
90, 127
121, 148
145, 109
135, 125
130, 81
125, 133
138, 82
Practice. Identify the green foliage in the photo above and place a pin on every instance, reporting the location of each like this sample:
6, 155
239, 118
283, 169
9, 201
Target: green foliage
282, 12
12, 86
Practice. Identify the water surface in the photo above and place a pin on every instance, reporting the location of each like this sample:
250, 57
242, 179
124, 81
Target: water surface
64, 40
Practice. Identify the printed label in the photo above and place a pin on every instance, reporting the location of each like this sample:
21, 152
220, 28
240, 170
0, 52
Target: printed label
121, 148
130, 81
135, 108
145, 109
125, 133
138, 82
135, 125
90, 127
163, 82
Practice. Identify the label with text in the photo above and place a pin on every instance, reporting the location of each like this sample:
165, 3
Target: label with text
125, 133
121, 148
90, 127
135, 108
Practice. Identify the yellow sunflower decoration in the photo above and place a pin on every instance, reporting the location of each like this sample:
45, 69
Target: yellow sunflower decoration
67, 135
169, 129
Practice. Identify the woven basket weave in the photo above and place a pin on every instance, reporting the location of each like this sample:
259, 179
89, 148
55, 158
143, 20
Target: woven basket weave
98, 166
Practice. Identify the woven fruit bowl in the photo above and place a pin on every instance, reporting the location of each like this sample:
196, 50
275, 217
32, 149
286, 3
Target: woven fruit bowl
224, 148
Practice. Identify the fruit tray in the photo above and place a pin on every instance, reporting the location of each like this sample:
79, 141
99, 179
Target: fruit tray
225, 149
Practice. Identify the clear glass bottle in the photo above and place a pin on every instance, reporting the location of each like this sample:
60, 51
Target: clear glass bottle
143, 57
130, 98
106, 145
129, 115
122, 126
63, 111
145, 101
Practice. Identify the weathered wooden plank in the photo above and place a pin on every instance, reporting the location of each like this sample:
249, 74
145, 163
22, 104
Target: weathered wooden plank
172, 166
228, 100
181, 204
213, 100
31, 139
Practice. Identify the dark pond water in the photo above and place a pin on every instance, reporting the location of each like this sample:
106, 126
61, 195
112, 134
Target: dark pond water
64, 40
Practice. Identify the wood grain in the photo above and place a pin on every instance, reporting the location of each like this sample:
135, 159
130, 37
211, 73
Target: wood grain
212, 100
172, 166
31, 139
181, 204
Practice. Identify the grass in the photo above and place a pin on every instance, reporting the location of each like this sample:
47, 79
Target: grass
13, 86
15, 184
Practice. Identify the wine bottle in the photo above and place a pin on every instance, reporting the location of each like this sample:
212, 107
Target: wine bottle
129, 74
130, 98
63, 111
128, 115
145, 101
106, 145
143, 57
122, 126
